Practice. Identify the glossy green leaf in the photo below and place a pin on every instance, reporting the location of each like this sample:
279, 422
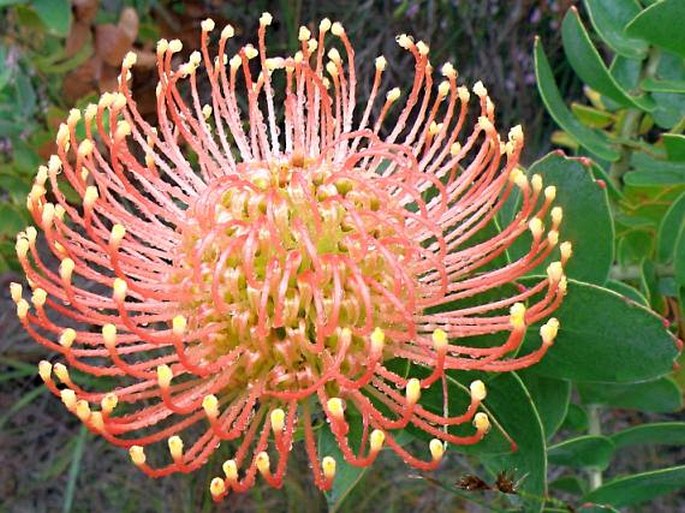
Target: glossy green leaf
627, 291
609, 18
675, 146
659, 396
672, 225
657, 25
55, 14
584, 451
679, 259
663, 86
11, 220
551, 398
576, 418
587, 63
605, 338
595, 141
587, 222
658, 433
639, 488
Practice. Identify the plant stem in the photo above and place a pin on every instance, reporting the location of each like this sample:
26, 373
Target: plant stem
594, 429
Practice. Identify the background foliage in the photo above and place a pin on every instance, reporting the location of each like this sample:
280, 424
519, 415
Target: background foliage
597, 423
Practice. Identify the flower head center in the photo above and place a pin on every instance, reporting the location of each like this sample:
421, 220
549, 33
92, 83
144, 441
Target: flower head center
293, 264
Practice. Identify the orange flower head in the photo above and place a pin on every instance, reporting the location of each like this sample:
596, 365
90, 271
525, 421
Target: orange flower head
254, 261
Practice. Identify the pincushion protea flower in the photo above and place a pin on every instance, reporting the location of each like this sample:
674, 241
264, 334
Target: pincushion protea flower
240, 270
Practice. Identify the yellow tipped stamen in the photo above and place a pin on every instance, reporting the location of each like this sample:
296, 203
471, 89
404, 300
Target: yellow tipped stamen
516, 134
22, 247
230, 469
455, 149
304, 34
263, 463
61, 372
479, 89
413, 391
437, 449
548, 331
555, 271
45, 370
179, 325
164, 375
376, 440
337, 29
550, 192
117, 234
536, 182
227, 32
90, 197
478, 390
392, 95
250, 52
405, 41
553, 237
517, 315
557, 215
206, 111
109, 402
440, 340
566, 249
68, 397
96, 421
217, 487
85, 148
328, 465
485, 124
377, 340
175, 46
109, 335
48, 215
448, 70
210, 404
119, 289
175, 447
16, 291
137, 454
336, 407
62, 138
482, 422
381, 63
130, 60
22, 308
277, 420
536, 227
39, 297
207, 25
324, 25
82, 410
423, 48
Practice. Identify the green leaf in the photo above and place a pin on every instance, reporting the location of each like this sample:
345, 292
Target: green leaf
657, 25
659, 396
581, 452
12, 220
346, 475
587, 63
5, 3
627, 291
672, 225
679, 258
675, 146
596, 508
569, 484
604, 338
576, 418
595, 141
652, 171
587, 222
609, 17
55, 14
663, 86
551, 398
658, 433
639, 488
